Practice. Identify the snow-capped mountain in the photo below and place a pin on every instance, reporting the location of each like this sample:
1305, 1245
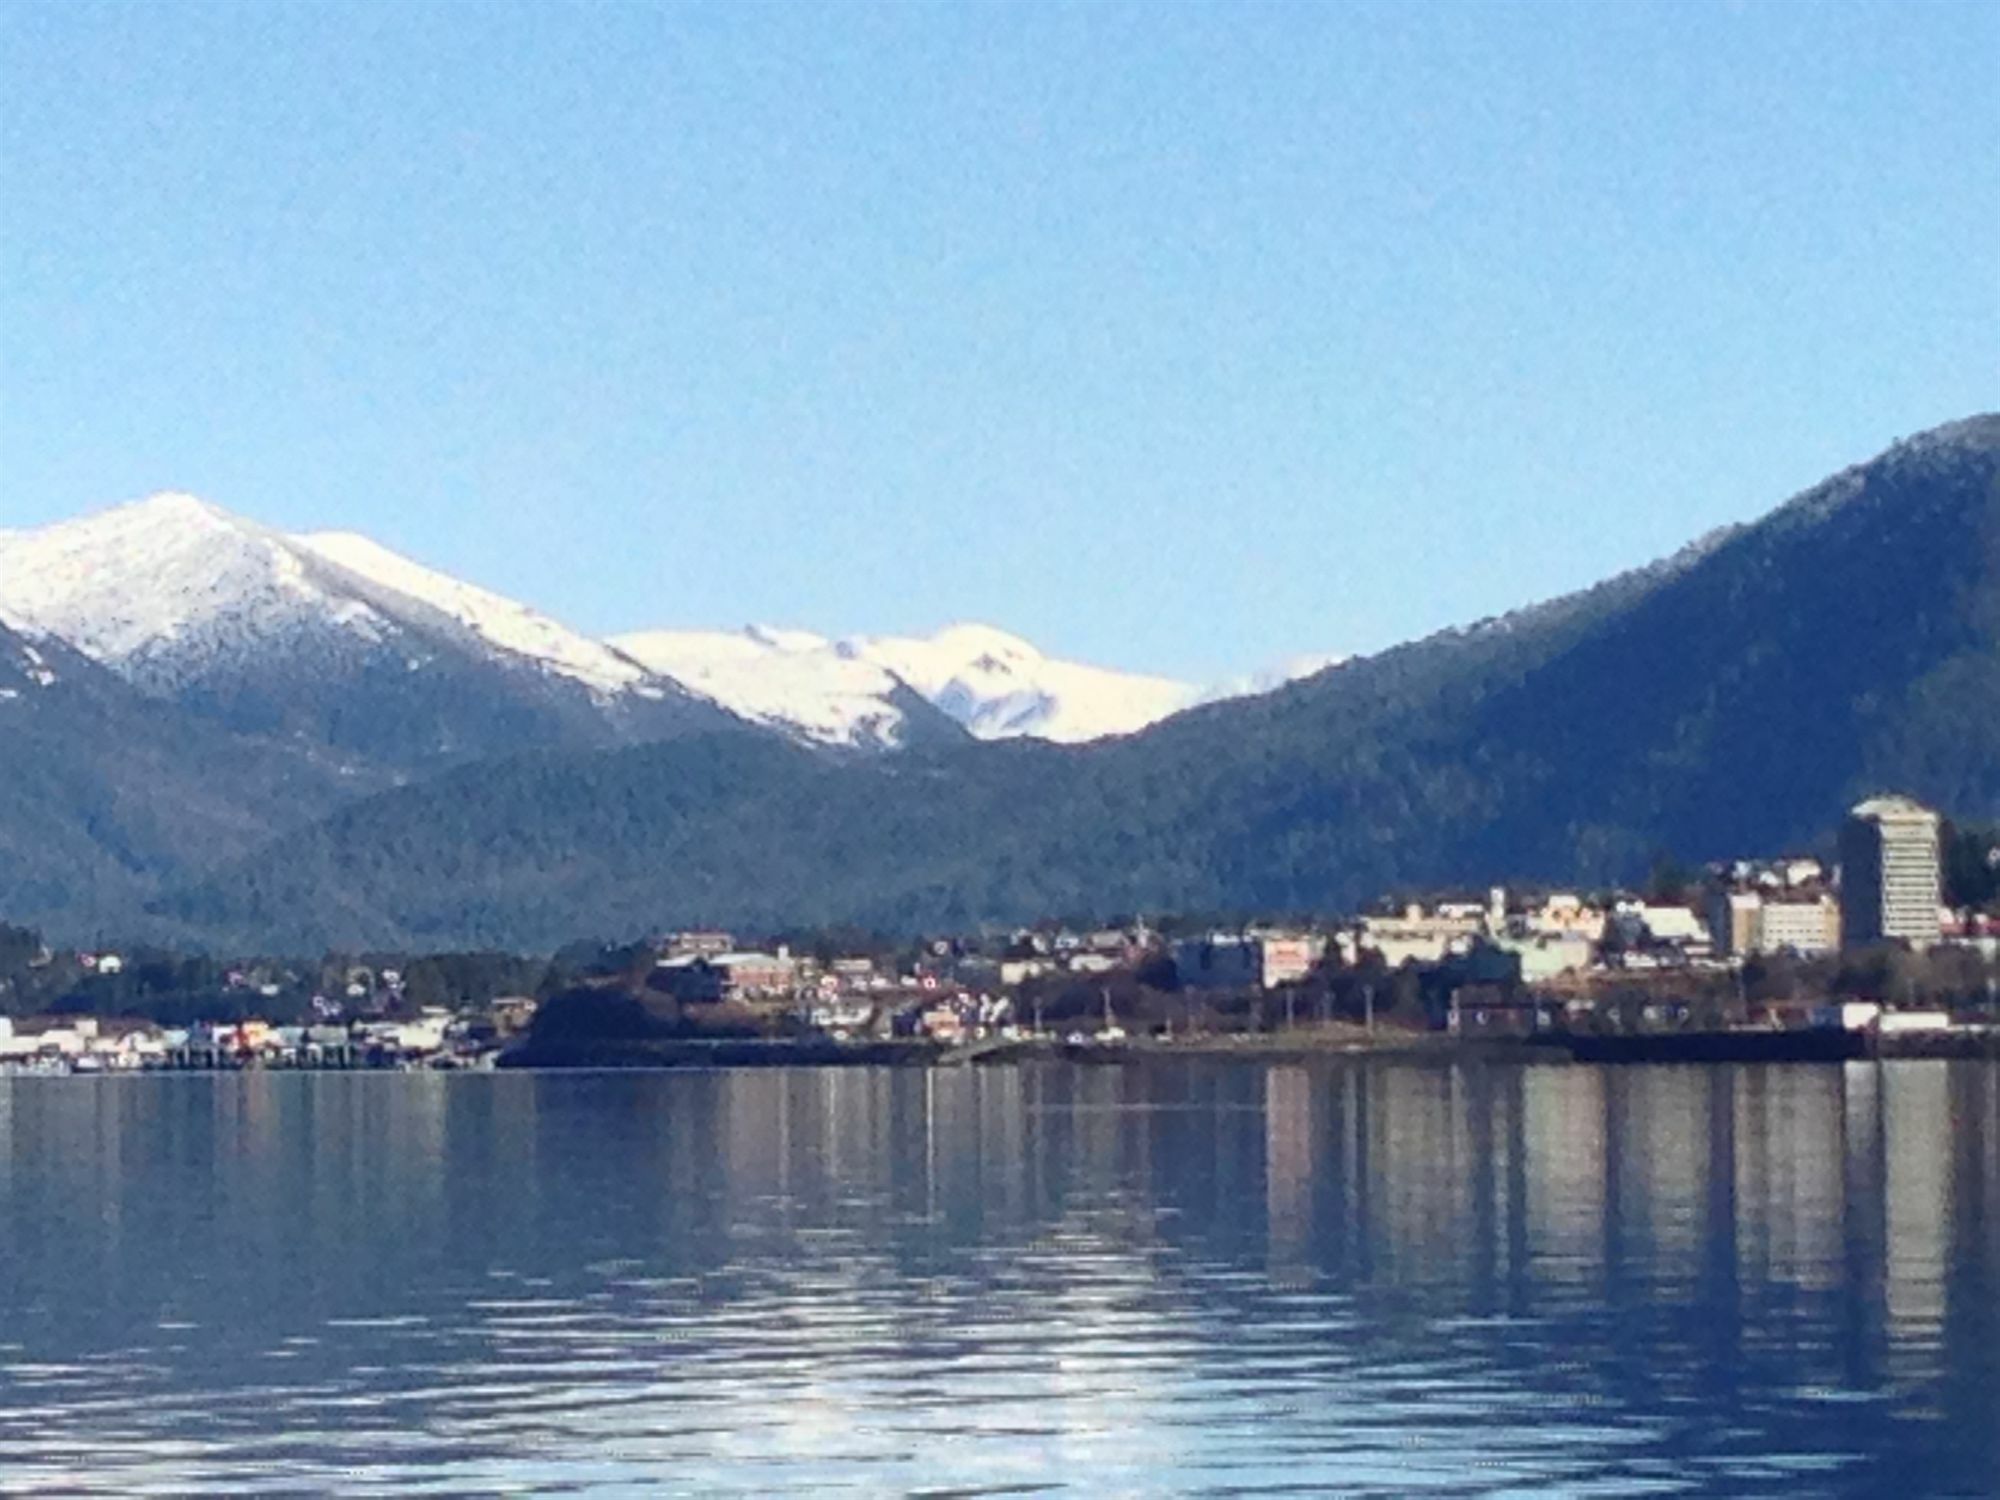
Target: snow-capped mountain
166, 586
855, 690
331, 640
325, 639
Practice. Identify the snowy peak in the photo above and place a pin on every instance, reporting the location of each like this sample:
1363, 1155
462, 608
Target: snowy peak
168, 589
171, 509
1000, 687
364, 659
146, 587
985, 647
995, 685
783, 640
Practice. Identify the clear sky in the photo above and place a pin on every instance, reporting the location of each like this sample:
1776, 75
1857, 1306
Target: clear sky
1174, 336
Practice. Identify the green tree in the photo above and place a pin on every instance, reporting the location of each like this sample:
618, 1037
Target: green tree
1669, 882
1970, 857
1771, 976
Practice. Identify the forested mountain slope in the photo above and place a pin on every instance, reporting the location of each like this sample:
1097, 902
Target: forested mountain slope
103, 790
1731, 699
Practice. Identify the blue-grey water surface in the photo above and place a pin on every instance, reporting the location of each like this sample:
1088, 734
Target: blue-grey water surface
1356, 1277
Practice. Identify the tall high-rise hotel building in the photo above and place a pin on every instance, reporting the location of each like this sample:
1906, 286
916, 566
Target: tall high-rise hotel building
1889, 873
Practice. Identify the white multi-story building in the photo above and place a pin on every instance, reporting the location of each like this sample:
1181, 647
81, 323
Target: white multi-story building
1889, 886
1415, 934
1802, 927
1745, 922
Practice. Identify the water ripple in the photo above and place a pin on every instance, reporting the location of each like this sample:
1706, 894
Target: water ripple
1229, 1279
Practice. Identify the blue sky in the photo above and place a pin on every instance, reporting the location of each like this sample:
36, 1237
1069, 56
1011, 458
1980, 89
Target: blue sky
1178, 337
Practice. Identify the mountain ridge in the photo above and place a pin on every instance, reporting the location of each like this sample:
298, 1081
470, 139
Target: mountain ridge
269, 634
1733, 696
233, 617
835, 690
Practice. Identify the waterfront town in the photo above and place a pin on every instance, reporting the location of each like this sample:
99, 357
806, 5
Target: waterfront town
1897, 937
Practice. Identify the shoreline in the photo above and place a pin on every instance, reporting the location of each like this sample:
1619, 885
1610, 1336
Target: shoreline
1698, 1049
1685, 1048
675, 1052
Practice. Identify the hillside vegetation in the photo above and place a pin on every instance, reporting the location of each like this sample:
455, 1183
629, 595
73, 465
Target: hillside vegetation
103, 789
1733, 698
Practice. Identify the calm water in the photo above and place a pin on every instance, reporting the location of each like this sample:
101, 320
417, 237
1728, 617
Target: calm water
1364, 1278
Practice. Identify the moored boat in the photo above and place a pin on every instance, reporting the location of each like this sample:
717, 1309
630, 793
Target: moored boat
1746, 1044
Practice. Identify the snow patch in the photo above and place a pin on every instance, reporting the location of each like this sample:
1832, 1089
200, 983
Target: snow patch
496, 620
789, 679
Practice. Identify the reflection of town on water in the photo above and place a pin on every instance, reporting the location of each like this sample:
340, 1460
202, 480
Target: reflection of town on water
1548, 1269
1503, 1182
